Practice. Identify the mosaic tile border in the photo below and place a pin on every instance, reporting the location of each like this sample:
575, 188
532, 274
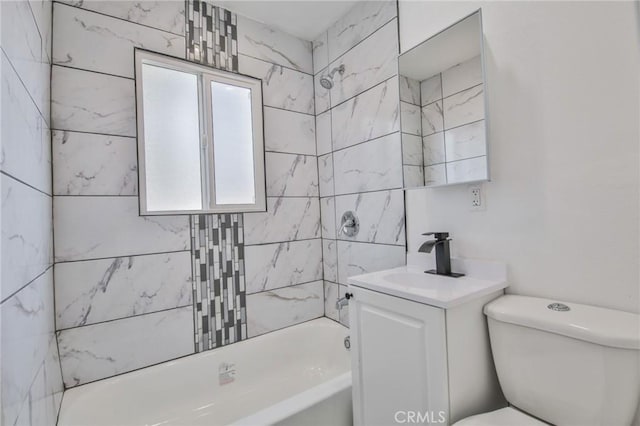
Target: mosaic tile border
212, 35
217, 240
219, 295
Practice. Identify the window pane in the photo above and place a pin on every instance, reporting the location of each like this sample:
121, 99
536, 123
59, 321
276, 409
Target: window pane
232, 144
171, 139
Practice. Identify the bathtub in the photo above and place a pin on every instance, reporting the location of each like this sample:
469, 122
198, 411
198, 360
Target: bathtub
300, 375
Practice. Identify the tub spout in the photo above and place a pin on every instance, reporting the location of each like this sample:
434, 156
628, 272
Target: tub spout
343, 301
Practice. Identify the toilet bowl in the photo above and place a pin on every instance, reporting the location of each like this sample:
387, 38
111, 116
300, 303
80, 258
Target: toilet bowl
562, 363
503, 417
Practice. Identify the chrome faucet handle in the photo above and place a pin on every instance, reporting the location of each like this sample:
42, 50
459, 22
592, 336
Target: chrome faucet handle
349, 225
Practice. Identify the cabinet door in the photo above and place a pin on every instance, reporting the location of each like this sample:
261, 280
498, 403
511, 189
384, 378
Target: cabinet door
398, 356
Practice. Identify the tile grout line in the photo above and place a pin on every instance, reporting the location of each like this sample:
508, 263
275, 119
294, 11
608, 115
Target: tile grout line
118, 18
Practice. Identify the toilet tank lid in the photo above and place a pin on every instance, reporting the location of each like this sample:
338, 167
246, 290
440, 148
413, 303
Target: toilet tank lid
601, 326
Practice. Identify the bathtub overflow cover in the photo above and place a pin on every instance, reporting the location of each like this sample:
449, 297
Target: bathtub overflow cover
558, 307
347, 342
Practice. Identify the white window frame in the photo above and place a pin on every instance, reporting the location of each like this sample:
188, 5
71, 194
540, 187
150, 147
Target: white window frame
205, 75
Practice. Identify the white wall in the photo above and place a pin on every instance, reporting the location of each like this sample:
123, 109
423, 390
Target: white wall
30, 378
562, 207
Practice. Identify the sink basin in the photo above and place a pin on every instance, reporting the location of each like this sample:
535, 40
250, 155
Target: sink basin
409, 278
411, 282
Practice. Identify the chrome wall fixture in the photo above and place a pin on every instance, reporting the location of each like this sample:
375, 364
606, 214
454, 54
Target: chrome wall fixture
327, 80
349, 225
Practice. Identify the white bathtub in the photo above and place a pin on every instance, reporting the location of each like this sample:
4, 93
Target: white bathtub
297, 376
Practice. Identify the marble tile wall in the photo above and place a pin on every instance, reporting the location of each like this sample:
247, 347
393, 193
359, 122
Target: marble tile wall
359, 146
120, 277
453, 133
30, 376
123, 282
411, 127
283, 249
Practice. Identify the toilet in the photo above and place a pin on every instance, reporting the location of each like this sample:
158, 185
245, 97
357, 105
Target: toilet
562, 363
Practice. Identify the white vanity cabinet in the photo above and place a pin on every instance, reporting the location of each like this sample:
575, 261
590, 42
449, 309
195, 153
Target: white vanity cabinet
416, 362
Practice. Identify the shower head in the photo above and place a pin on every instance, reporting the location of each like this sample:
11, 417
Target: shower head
327, 80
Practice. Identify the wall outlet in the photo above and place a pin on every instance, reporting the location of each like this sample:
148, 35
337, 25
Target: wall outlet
476, 198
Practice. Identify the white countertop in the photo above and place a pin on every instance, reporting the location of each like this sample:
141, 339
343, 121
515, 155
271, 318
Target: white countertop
411, 282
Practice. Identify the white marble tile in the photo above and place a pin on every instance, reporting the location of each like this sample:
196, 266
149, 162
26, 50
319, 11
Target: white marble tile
325, 174
275, 309
167, 15
432, 118
93, 291
270, 266
286, 219
26, 234
42, 10
26, 148
281, 87
91, 102
358, 23
330, 299
413, 176
433, 149
260, 41
291, 175
287, 131
467, 170
410, 119
103, 350
45, 395
320, 52
98, 227
322, 100
466, 141
462, 76
363, 69
323, 133
431, 89
328, 217
356, 258
369, 115
371, 166
464, 107
412, 150
27, 329
90, 164
435, 175
381, 216
409, 90
330, 259
22, 44
80, 34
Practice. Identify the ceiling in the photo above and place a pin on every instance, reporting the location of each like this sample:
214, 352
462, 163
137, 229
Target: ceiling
306, 19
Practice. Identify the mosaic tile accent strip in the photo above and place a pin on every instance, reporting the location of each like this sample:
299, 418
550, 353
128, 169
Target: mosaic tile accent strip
217, 249
217, 241
212, 35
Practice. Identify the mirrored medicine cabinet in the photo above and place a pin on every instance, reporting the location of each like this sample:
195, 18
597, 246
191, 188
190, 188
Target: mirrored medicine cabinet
443, 107
200, 138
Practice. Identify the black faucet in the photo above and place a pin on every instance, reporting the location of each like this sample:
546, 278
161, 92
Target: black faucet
443, 255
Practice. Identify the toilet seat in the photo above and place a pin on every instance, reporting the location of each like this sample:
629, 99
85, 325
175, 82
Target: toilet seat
503, 417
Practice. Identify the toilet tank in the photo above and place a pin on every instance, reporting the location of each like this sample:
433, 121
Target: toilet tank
579, 366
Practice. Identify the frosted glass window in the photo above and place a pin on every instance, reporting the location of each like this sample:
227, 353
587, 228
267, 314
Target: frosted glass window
200, 138
232, 144
172, 140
